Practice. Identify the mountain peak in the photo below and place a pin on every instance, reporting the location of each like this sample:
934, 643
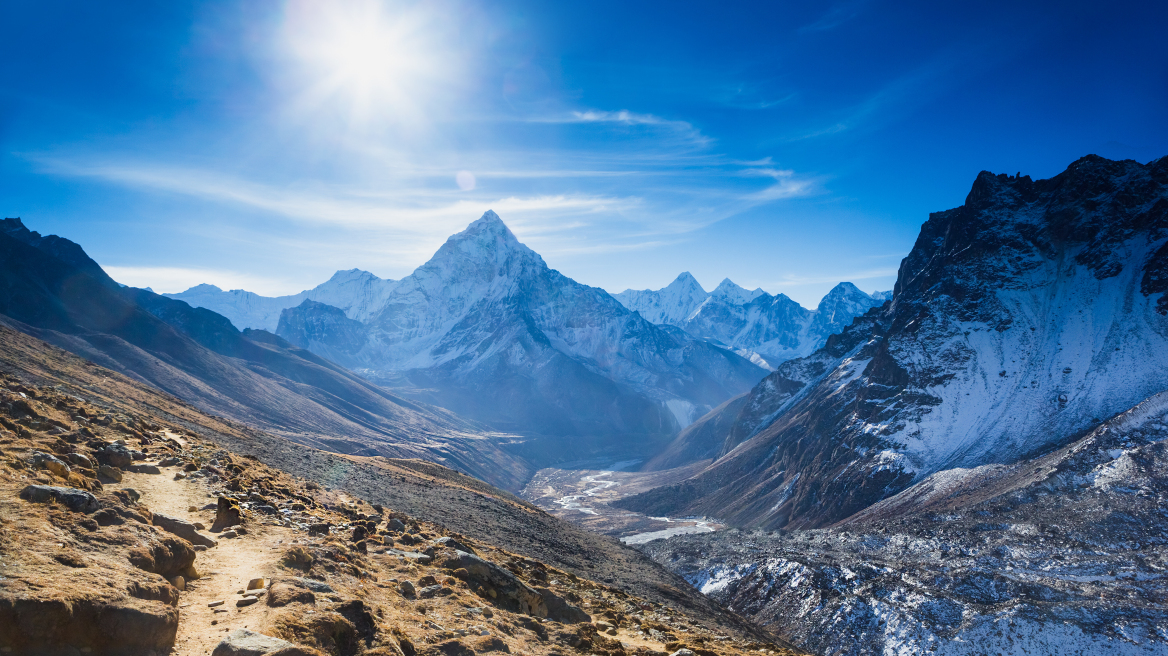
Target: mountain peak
202, 287
488, 231
731, 291
687, 281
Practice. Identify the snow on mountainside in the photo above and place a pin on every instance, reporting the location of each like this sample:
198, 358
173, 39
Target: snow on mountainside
1019, 320
672, 304
768, 330
358, 293
495, 334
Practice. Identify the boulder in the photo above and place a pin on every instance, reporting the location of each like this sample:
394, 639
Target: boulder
560, 610
45, 624
70, 497
497, 584
145, 469
115, 455
168, 556
242, 642
227, 513
184, 529
434, 591
289, 591
451, 543
80, 460
112, 473
52, 463
311, 584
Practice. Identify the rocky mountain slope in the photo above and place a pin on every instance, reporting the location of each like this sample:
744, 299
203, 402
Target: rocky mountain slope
1066, 553
767, 329
133, 523
358, 293
486, 329
51, 289
1019, 321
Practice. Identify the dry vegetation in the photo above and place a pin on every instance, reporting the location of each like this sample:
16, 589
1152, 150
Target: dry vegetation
132, 525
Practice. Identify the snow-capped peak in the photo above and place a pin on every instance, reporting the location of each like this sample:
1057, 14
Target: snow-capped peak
735, 294
202, 288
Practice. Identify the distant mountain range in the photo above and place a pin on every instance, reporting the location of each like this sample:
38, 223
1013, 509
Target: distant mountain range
358, 293
769, 330
1019, 321
52, 290
486, 329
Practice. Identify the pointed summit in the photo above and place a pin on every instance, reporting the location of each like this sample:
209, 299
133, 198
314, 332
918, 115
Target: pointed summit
686, 281
488, 231
732, 292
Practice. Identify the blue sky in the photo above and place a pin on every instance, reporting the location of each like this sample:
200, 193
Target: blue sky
783, 145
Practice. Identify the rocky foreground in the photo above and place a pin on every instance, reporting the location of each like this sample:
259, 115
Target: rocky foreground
125, 529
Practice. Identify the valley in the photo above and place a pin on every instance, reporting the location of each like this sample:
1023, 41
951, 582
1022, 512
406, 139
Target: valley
976, 463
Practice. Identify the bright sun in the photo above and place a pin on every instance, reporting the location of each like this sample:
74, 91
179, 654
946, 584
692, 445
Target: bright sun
379, 59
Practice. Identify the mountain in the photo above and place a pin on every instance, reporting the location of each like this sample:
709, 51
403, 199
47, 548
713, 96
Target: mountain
486, 329
1019, 321
117, 560
767, 329
358, 293
1058, 554
50, 289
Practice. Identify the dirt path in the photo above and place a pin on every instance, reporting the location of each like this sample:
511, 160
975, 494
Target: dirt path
225, 568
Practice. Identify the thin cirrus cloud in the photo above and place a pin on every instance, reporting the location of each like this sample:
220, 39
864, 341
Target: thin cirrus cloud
426, 212
684, 129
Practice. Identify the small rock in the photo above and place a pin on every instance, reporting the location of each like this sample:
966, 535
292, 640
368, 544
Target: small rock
434, 591
179, 582
453, 544
192, 509
112, 473
51, 463
247, 601
168, 462
79, 460
406, 588
183, 529
257, 584
242, 642
682, 652
72, 498
145, 469
228, 534
219, 602
178, 476
115, 455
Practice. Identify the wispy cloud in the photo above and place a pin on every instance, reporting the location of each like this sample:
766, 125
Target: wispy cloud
626, 118
836, 16
418, 211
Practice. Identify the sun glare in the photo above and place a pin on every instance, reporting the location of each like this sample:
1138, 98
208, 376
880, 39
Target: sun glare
380, 59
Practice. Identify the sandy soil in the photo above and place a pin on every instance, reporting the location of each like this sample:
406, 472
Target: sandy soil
225, 568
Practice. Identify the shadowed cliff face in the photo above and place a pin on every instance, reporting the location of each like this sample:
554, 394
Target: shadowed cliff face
1019, 320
